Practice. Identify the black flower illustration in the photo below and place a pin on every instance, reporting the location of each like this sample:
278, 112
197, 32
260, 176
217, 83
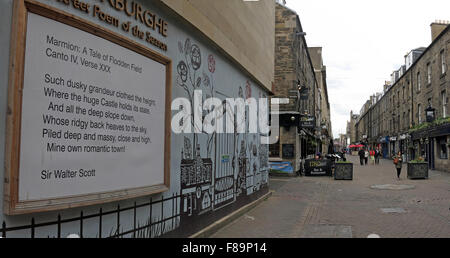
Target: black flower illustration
196, 57
182, 70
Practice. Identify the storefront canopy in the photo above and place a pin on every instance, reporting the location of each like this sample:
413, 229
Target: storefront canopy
356, 146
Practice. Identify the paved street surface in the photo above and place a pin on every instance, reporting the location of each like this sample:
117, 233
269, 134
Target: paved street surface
375, 202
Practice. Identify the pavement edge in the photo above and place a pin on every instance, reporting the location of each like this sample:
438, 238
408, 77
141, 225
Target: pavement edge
216, 226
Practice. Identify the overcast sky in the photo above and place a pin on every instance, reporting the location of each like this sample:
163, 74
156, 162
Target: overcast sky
363, 42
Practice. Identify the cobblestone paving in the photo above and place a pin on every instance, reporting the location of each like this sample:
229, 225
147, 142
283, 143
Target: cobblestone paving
322, 207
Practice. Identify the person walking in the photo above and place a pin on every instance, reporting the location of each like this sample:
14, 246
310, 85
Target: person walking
372, 156
377, 156
366, 156
398, 162
361, 156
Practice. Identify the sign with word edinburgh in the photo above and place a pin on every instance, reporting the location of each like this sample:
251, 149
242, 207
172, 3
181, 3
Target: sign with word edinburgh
93, 116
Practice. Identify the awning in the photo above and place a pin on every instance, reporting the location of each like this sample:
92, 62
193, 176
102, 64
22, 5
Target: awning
435, 131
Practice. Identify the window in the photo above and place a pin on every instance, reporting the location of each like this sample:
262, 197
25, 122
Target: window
418, 81
404, 120
408, 119
409, 90
442, 145
274, 150
444, 104
443, 65
429, 73
419, 114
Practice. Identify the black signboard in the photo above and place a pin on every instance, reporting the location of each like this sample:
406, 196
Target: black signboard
288, 151
307, 122
320, 167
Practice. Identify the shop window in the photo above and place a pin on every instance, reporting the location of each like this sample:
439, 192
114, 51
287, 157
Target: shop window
274, 150
288, 151
442, 145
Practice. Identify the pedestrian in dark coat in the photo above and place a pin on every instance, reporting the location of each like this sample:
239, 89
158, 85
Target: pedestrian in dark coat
377, 156
361, 156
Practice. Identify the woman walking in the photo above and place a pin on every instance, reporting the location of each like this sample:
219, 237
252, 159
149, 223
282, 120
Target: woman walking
398, 162
372, 157
366, 156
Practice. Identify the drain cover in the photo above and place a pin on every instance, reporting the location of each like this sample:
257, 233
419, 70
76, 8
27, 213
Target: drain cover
393, 187
393, 210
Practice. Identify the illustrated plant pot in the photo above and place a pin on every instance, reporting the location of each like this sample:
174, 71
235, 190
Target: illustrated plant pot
418, 170
343, 171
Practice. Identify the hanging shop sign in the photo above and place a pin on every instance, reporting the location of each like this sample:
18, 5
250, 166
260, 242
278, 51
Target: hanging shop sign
89, 120
403, 137
307, 121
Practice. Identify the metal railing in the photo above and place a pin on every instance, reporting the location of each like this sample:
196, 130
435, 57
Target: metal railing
150, 229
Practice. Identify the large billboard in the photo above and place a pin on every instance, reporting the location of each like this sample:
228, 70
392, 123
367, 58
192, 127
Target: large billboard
91, 124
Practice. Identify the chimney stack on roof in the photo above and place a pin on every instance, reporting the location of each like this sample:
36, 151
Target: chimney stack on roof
437, 27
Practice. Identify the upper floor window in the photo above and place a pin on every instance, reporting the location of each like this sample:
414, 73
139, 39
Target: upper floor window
418, 81
429, 73
419, 113
404, 120
444, 103
443, 64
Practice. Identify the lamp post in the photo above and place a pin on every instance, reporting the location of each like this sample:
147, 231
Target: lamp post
393, 130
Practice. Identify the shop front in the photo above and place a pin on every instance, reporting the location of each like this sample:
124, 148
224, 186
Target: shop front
403, 146
393, 146
384, 142
432, 144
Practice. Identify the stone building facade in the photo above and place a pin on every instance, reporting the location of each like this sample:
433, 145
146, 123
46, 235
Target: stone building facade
351, 129
397, 120
323, 114
295, 81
